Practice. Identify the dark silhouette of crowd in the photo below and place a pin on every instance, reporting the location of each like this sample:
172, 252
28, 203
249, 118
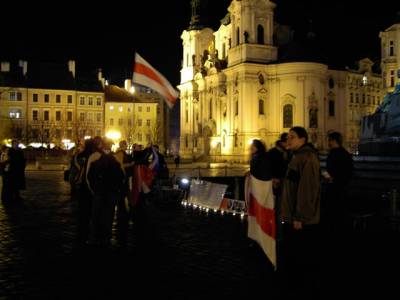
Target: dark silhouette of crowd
110, 185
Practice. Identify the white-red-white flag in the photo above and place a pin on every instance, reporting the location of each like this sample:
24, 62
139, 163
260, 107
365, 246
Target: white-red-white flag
261, 215
144, 74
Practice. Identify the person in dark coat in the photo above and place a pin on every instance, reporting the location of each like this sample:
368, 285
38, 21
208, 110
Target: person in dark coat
339, 167
260, 165
126, 164
84, 197
162, 171
300, 211
4, 166
106, 182
280, 158
14, 173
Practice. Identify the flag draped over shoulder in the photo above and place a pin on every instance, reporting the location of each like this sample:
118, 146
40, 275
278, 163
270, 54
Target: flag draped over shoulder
145, 75
143, 177
261, 215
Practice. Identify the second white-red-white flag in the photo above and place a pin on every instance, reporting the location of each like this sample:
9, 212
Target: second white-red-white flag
261, 215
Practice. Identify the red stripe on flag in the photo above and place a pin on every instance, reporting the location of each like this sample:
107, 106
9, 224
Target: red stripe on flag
148, 72
265, 216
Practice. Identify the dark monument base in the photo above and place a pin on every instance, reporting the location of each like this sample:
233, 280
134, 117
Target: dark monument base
379, 149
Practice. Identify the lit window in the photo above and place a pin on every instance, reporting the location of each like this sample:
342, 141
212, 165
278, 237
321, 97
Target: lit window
121, 109
111, 107
15, 114
365, 80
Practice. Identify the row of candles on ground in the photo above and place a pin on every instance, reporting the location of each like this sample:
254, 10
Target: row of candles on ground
207, 209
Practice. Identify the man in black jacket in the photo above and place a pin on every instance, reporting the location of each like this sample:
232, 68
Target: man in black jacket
339, 166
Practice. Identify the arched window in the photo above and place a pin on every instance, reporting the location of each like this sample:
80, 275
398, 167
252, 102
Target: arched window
331, 108
261, 107
260, 34
210, 109
238, 36
288, 116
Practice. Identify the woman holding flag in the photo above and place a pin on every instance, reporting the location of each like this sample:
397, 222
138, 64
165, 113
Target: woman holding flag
260, 201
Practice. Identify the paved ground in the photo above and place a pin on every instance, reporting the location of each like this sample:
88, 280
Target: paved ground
181, 254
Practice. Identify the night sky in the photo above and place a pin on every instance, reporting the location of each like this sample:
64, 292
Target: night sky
107, 34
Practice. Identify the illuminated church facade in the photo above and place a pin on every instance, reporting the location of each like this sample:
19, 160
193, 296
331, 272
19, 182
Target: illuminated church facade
250, 79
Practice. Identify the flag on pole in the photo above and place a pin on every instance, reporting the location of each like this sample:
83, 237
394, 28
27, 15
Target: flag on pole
144, 74
261, 215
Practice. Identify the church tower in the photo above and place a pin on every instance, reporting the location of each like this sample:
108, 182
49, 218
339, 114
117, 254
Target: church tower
196, 40
390, 43
252, 32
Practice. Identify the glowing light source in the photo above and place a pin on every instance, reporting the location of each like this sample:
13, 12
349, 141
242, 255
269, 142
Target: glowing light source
132, 90
87, 137
113, 135
185, 181
214, 144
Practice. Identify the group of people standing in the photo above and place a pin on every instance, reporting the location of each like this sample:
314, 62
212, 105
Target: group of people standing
12, 170
103, 181
293, 165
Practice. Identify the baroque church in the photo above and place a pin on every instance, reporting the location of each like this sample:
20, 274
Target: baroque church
244, 81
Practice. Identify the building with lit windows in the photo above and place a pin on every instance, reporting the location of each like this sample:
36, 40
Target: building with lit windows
252, 78
137, 115
390, 47
49, 103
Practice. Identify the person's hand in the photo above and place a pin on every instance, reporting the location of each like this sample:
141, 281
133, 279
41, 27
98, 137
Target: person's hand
297, 225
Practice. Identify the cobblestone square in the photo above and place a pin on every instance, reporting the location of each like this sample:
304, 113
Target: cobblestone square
180, 254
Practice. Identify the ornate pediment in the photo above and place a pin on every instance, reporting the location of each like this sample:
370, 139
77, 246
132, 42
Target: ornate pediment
288, 98
262, 91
